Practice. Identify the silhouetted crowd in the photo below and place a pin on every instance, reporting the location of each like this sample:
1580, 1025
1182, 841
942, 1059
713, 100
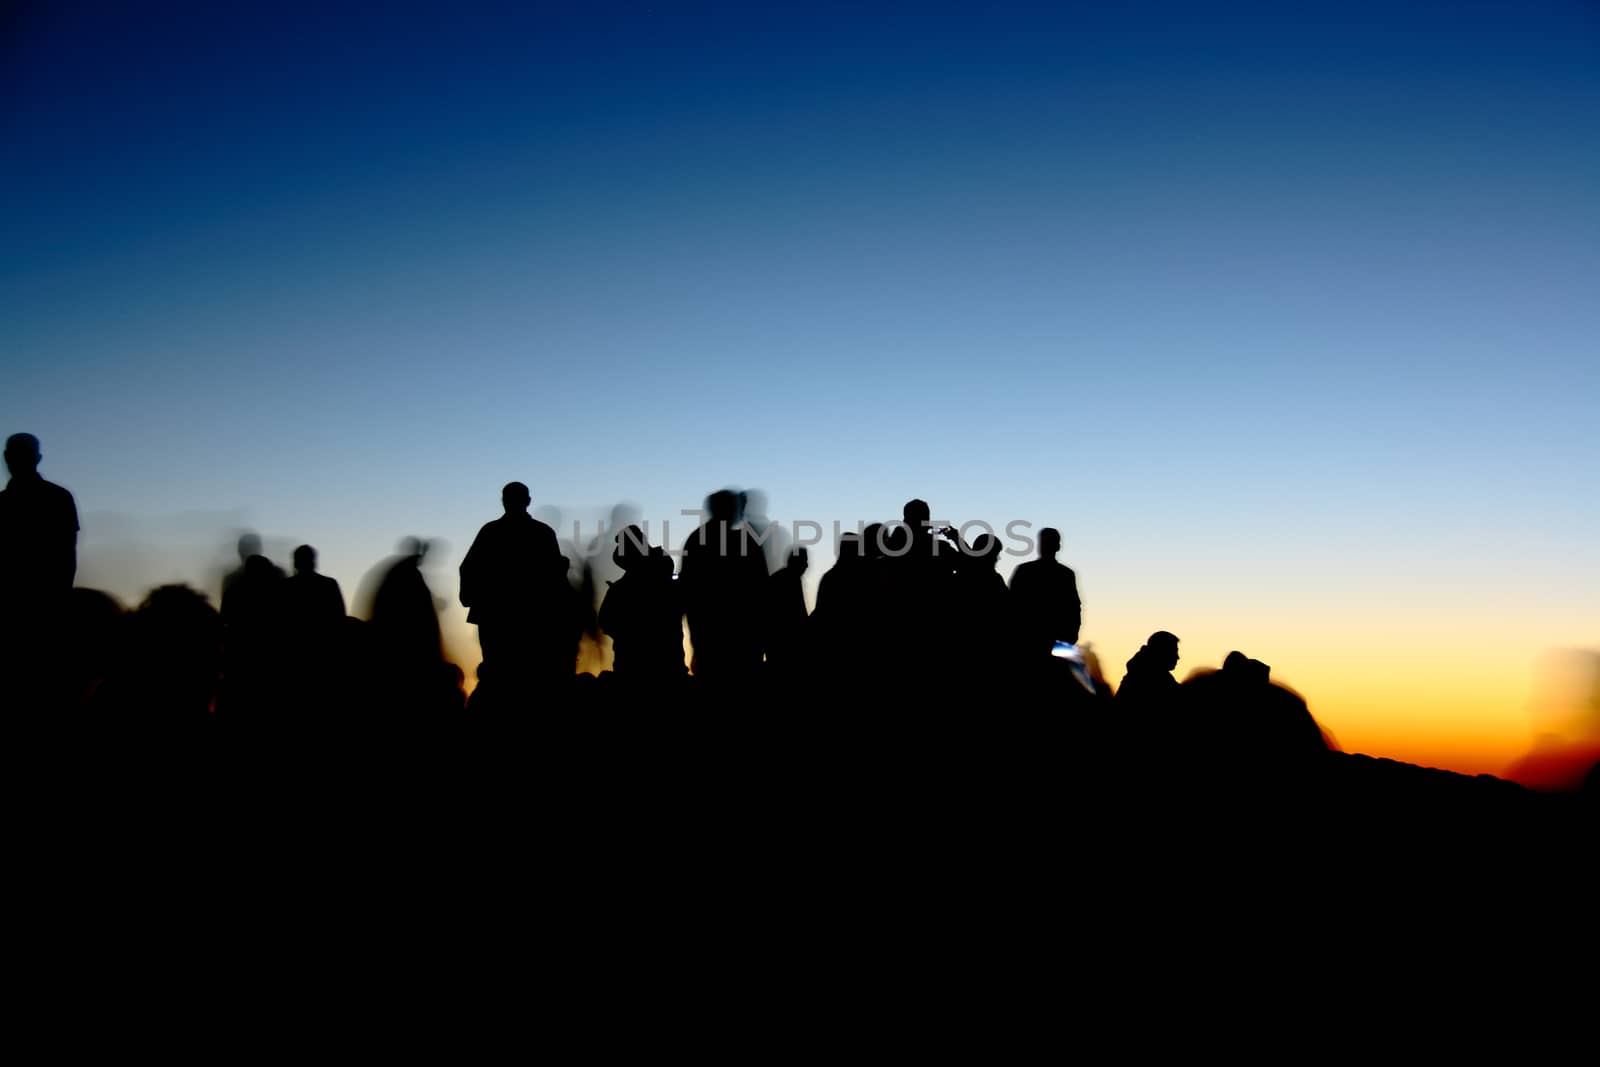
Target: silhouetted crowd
911, 624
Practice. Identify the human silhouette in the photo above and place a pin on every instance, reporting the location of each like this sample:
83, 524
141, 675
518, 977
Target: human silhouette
916, 568
38, 561
406, 655
840, 625
1149, 684
313, 619
986, 636
172, 664
514, 585
253, 632
38, 526
1247, 728
724, 576
787, 647
927, 550
600, 570
311, 599
772, 537
1045, 593
643, 612
92, 641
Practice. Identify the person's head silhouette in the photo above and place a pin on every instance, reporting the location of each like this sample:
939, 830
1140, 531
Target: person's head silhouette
723, 505
916, 514
249, 545
1164, 647
1247, 670
798, 560
1049, 542
632, 546
986, 548
305, 560
22, 454
515, 498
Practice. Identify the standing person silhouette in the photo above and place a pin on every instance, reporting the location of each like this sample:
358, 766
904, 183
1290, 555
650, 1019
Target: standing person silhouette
514, 585
1045, 594
314, 599
786, 615
38, 529
724, 576
643, 612
313, 621
39, 560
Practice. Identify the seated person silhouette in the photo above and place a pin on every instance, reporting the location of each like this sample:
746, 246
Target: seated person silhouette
514, 585
1240, 720
1149, 683
643, 611
1045, 593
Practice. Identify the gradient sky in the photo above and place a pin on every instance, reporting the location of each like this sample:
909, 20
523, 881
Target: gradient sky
1285, 314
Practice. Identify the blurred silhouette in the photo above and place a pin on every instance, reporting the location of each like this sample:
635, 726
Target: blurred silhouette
173, 661
643, 612
1566, 713
253, 632
93, 641
514, 583
724, 575
1046, 597
771, 536
1248, 729
248, 547
410, 674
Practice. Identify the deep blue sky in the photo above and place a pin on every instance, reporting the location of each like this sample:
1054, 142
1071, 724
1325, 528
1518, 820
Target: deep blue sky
1240, 296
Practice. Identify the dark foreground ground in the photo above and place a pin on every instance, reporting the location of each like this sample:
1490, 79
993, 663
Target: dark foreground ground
755, 878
